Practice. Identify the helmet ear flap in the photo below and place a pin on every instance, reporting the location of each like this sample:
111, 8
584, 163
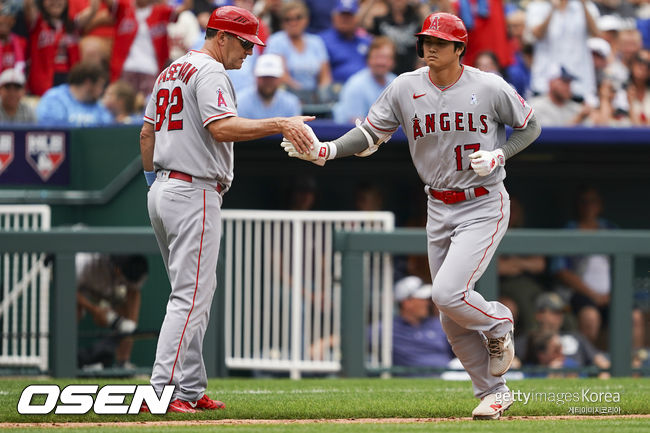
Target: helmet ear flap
418, 47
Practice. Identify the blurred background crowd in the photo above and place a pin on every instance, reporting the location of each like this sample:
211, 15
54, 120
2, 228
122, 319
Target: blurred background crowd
93, 62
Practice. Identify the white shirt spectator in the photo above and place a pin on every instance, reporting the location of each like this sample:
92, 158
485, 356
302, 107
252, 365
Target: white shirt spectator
565, 42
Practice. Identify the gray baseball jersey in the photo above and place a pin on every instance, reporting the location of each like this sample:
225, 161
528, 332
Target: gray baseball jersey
187, 96
444, 126
186, 214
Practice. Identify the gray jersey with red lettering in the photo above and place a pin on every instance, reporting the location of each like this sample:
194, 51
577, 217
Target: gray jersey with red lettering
192, 92
444, 126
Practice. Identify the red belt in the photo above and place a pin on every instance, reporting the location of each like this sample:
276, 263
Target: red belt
187, 178
451, 197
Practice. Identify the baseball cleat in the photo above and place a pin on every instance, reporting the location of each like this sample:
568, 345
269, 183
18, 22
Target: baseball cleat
492, 407
206, 402
180, 406
502, 352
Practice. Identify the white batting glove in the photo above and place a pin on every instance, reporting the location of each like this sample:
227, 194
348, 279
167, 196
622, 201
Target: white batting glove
485, 162
318, 155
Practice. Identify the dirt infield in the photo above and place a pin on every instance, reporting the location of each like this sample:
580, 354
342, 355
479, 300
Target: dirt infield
306, 421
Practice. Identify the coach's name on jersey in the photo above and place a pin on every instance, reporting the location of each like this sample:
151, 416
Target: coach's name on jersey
177, 71
443, 122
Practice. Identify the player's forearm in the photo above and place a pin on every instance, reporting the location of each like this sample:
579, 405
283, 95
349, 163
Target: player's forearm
521, 138
350, 143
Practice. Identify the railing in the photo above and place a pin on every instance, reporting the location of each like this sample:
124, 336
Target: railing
623, 245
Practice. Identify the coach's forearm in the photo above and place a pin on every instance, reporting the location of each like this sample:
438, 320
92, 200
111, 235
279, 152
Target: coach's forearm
521, 138
147, 144
241, 129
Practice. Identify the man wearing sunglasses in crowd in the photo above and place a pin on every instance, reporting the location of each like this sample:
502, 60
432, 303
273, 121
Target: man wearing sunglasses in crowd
186, 142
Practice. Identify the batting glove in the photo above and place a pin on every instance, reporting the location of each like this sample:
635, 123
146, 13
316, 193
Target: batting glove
485, 162
318, 155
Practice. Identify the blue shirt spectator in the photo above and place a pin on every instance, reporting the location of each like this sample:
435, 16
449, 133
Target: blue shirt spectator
304, 66
422, 345
364, 87
319, 14
59, 107
265, 99
347, 44
76, 103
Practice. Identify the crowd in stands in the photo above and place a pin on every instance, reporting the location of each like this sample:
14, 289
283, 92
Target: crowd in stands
578, 62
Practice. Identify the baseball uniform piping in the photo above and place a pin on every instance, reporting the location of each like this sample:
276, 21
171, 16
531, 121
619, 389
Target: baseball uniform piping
525, 120
149, 119
462, 71
379, 129
209, 119
479, 265
196, 286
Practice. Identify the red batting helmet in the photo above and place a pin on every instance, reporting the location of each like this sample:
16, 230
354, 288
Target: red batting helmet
237, 21
444, 26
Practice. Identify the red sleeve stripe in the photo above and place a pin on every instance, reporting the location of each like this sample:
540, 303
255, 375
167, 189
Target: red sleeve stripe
525, 120
211, 118
379, 129
149, 119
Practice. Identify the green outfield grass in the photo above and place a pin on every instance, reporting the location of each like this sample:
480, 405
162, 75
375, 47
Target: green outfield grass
367, 398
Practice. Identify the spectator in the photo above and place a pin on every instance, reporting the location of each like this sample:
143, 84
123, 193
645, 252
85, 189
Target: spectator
12, 47
545, 350
347, 45
550, 316
12, 90
266, 99
556, 108
520, 275
97, 36
183, 33
486, 25
625, 49
561, 29
302, 194
612, 107
638, 90
368, 197
307, 63
120, 99
53, 46
320, 18
600, 54
487, 61
400, 23
141, 47
269, 12
369, 10
364, 87
589, 277
76, 103
418, 338
518, 74
109, 289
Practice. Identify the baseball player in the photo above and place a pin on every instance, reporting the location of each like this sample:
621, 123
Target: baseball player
454, 117
187, 152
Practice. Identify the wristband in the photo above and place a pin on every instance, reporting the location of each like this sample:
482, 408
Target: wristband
150, 176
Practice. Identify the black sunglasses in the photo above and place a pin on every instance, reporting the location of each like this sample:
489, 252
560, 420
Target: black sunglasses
246, 45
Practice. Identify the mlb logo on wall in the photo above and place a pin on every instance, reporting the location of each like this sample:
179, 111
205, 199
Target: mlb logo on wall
6, 150
45, 151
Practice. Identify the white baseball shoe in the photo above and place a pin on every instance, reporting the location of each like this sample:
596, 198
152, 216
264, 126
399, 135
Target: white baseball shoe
492, 406
502, 352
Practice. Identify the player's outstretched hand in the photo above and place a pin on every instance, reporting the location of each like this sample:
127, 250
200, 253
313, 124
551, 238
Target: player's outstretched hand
484, 162
318, 155
295, 131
